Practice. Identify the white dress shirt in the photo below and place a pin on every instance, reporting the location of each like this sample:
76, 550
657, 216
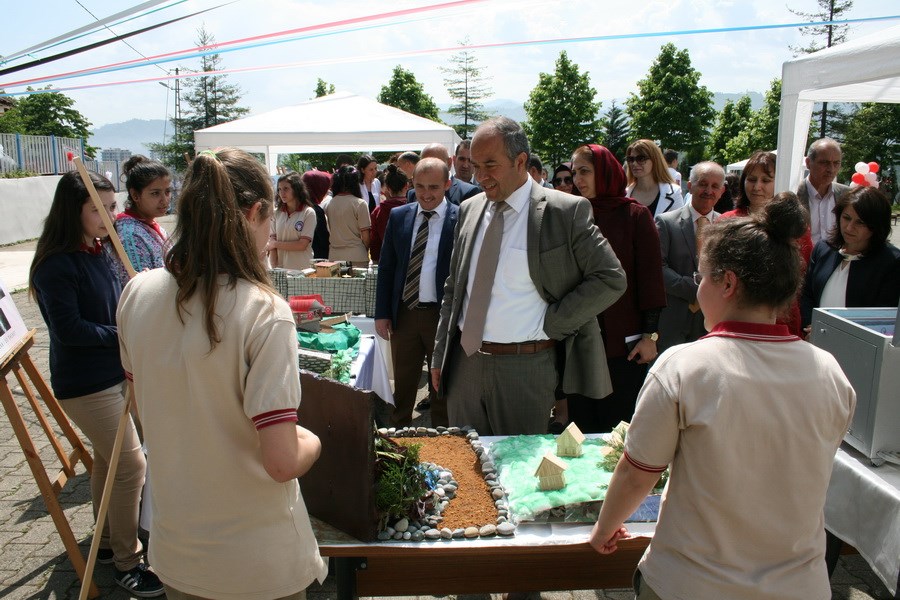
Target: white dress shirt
376, 191
821, 217
516, 312
427, 288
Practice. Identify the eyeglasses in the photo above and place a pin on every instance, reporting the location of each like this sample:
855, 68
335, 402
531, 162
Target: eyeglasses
565, 180
636, 159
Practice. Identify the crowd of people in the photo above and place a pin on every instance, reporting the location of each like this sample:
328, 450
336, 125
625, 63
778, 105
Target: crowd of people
593, 292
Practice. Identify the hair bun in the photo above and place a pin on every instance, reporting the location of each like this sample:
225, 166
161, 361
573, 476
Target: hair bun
132, 162
785, 219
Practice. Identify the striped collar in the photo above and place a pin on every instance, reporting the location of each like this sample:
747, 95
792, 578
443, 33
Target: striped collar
756, 332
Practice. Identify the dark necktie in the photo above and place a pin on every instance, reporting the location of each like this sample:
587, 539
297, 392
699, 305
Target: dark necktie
476, 311
414, 272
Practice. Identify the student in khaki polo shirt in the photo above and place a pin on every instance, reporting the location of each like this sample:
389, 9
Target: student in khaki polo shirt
212, 353
748, 418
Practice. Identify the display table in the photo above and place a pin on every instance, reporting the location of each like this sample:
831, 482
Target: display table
537, 558
540, 557
862, 508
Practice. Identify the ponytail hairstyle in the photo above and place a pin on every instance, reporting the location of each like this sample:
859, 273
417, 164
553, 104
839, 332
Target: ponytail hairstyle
295, 180
63, 231
762, 251
139, 172
395, 179
213, 236
346, 180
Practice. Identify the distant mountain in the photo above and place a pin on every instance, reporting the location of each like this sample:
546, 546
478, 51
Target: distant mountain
131, 135
720, 98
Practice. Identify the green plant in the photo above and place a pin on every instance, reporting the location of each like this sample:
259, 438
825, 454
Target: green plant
615, 448
17, 174
400, 485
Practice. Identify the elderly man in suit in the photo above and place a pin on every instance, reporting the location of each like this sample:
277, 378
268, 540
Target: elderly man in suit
679, 239
529, 270
459, 190
415, 259
819, 191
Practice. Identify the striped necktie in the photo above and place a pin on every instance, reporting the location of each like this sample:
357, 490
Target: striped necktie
413, 273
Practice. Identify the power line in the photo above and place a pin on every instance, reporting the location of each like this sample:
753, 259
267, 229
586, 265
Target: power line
107, 27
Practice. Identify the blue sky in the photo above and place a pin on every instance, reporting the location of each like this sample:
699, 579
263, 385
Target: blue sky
729, 62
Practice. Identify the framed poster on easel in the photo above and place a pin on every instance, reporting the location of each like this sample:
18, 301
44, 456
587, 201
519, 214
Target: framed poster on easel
12, 327
15, 342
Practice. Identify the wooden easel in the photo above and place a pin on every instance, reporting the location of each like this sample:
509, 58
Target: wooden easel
19, 362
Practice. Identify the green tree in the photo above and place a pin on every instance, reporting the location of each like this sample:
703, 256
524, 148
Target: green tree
404, 91
615, 130
825, 36
323, 88
468, 88
47, 113
561, 113
873, 134
210, 99
761, 132
730, 122
671, 106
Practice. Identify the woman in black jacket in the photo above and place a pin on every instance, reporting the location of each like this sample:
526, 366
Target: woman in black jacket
856, 266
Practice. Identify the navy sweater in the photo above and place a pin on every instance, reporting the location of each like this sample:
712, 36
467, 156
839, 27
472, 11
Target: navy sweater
77, 293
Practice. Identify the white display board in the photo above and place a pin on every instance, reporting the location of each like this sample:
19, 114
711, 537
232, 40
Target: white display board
12, 327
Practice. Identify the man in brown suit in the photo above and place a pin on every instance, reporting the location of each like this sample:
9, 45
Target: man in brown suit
495, 350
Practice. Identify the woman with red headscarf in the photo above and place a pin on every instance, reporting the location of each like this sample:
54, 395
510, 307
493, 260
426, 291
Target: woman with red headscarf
630, 325
318, 184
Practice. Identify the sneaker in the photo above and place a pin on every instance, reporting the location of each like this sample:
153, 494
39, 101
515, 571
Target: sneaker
105, 556
141, 582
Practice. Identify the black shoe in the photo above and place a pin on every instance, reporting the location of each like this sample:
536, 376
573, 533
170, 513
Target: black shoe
105, 556
424, 405
141, 582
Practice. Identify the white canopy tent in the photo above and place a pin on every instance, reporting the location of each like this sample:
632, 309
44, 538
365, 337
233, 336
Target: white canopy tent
866, 69
737, 167
341, 122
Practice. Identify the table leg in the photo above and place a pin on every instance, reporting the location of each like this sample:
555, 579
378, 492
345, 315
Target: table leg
345, 569
833, 545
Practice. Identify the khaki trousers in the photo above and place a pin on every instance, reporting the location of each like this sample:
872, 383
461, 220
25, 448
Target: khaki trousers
97, 415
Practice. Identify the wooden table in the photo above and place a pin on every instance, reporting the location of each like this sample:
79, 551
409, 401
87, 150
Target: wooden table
537, 558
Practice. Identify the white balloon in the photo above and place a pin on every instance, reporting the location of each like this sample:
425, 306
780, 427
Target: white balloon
872, 179
861, 167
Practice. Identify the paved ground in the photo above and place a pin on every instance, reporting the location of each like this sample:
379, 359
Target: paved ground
33, 562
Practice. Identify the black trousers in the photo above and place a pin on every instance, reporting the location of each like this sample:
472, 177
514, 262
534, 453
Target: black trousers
593, 415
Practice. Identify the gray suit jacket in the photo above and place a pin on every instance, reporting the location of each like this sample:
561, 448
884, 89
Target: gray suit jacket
574, 270
678, 244
803, 193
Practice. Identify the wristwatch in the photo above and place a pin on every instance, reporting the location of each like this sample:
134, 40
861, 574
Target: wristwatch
650, 336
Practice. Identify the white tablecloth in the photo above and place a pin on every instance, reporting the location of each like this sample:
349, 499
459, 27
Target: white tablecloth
863, 509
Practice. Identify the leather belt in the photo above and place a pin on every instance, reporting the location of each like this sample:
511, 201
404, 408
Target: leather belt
531, 347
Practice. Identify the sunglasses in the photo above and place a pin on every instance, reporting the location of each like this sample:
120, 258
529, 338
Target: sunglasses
565, 180
636, 159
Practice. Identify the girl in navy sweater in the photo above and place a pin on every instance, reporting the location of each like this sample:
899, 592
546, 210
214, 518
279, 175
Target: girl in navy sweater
73, 281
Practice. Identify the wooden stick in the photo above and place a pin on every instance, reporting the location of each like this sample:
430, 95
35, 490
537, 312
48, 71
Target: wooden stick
107, 222
126, 413
104, 501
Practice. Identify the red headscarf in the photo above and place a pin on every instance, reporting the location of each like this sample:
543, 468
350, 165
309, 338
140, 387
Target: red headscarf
609, 181
318, 183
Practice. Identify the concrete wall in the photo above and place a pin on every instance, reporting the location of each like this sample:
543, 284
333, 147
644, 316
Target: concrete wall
24, 204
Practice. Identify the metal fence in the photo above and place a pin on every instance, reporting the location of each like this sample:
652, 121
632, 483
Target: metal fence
49, 155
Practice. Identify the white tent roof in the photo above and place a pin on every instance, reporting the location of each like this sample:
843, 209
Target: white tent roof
866, 69
341, 122
739, 165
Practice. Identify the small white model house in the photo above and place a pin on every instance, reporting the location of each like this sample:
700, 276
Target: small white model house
569, 441
551, 473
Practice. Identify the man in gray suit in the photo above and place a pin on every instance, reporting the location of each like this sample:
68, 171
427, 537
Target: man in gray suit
819, 191
681, 320
495, 352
